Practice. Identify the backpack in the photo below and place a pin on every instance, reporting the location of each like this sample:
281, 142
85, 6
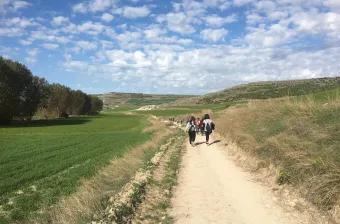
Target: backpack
208, 128
192, 127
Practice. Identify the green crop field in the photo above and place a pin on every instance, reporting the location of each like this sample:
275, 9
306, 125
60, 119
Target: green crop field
143, 102
170, 112
213, 107
43, 161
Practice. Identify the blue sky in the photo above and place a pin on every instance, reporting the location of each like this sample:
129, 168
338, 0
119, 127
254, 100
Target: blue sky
183, 46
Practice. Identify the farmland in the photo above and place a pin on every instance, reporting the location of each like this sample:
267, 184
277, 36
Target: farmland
169, 112
137, 99
48, 159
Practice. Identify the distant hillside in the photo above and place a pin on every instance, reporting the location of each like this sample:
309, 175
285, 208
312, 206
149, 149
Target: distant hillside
137, 99
271, 89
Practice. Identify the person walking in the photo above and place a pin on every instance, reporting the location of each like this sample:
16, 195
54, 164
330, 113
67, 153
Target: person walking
191, 129
208, 126
198, 125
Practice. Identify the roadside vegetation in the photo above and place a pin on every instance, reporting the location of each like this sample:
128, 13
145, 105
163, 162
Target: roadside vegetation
300, 136
271, 89
47, 159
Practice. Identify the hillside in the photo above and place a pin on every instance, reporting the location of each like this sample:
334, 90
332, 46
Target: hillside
271, 89
137, 99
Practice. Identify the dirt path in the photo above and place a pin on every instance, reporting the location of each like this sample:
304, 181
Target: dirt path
212, 189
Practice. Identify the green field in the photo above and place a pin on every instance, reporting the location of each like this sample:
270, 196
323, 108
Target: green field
321, 97
47, 159
213, 107
170, 112
143, 102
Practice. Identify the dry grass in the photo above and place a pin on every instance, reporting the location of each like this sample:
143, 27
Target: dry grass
300, 138
88, 199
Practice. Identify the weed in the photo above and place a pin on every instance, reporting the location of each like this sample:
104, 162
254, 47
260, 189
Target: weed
283, 178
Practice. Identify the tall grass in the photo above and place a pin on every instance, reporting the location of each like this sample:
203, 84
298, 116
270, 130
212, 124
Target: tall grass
301, 137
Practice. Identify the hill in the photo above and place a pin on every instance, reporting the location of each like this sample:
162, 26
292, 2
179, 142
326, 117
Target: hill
138, 99
271, 89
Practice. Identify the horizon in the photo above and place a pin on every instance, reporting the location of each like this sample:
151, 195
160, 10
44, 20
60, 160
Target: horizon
171, 47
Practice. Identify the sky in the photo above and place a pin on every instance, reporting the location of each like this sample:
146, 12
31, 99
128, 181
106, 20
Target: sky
163, 46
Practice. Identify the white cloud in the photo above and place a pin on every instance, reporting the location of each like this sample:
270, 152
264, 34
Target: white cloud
153, 33
25, 42
32, 52
272, 36
278, 15
59, 20
32, 55
241, 2
86, 45
99, 5
107, 17
135, 12
80, 7
50, 46
217, 21
75, 65
21, 22
11, 32
20, 4
106, 44
332, 4
254, 18
93, 6
48, 36
12, 6
214, 35
91, 28
178, 22
129, 39
265, 5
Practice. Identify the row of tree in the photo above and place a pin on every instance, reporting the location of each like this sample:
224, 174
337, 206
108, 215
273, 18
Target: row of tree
22, 95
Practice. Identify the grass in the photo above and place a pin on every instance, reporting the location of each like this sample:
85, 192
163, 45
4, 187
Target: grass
169, 112
46, 160
300, 136
91, 198
150, 101
213, 107
120, 109
321, 97
272, 89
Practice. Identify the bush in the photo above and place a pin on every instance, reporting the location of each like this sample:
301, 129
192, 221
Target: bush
64, 115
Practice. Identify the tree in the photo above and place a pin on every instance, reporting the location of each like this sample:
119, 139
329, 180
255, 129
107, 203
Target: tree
34, 94
59, 100
9, 94
97, 105
87, 105
78, 99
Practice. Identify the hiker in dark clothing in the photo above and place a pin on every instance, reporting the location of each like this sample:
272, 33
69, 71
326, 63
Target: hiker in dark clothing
191, 129
208, 126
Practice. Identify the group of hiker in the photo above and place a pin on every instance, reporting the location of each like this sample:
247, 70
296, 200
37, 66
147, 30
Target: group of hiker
195, 126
